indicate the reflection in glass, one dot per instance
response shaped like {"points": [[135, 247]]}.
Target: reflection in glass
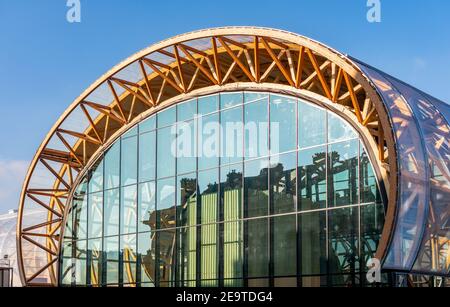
{"points": [[208, 141], [148, 125], [96, 178], [311, 125], [80, 212], [187, 200], [165, 203], [232, 136], [343, 179], [256, 129], [283, 124], [187, 256], [95, 262], [369, 185], [228, 100], [95, 215], [208, 104], [284, 245], [146, 258], [80, 262], [112, 167], [186, 110], [209, 255], [112, 212], [312, 172], [111, 252], [208, 200], [147, 156], [166, 260], [233, 254], [128, 254], [147, 207], [186, 147], [283, 182], [256, 192], [128, 175], [372, 222], [258, 248], [128, 211], [339, 130], [167, 117], [166, 154], [231, 192]]}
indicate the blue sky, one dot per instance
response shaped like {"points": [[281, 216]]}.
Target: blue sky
{"points": [[46, 62]]}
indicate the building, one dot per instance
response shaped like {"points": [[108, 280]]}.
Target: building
{"points": [[329, 165]]}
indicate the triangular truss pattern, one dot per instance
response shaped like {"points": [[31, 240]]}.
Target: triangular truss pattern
{"points": [[224, 57]]}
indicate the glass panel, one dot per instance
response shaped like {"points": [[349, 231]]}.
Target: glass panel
{"points": [[167, 117], [148, 125], [166, 154], [146, 257], [208, 189], [311, 125], [256, 192], [312, 178], [284, 245], [186, 147], [166, 260], [231, 191], [112, 167], [112, 212], [312, 228], [209, 255], [129, 161], [147, 207], [339, 130], [369, 184], [67, 265], [96, 177], [343, 245], [95, 215], [187, 110], [257, 129], [165, 203], [343, 179], [80, 212], [112, 260], [128, 211], [250, 97], [228, 100], [232, 136], [187, 256], [95, 262], [283, 124], [132, 132], [283, 181], [258, 248], [147, 156], [233, 254], [208, 104], [80, 262], [128, 251], [372, 222], [208, 141], [187, 200]]}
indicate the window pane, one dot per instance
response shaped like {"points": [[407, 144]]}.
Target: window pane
{"points": [[313, 246], [257, 129], [96, 178], [167, 117], [256, 190], [148, 124], [233, 136], [338, 129], [129, 161], [147, 207], [131, 132], [128, 209], [209, 255], [95, 215], [233, 254], [253, 96], [187, 200], [147, 156], [311, 125], [228, 100], [112, 260], [208, 104], [343, 244], [312, 178], [112, 167], [208, 141], [165, 203], [258, 248], [187, 256], [283, 181], [129, 256], [369, 184], [231, 191], [112, 212], [186, 147], [283, 124], [80, 262], [187, 110], [343, 181], [208, 189], [285, 245], [146, 257], [166, 260], [166, 156], [95, 259], [372, 222], [80, 212]]}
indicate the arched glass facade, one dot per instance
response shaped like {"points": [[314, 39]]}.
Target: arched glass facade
{"points": [[277, 192]]}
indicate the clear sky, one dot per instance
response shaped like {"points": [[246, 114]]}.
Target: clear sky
{"points": [[46, 62]]}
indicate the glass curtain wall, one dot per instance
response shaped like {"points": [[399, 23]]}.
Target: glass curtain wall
{"points": [[234, 189]]}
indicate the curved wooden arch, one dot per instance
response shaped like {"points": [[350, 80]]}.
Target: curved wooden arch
{"points": [[170, 72]]}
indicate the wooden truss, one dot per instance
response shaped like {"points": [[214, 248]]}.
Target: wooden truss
{"points": [[171, 71]]}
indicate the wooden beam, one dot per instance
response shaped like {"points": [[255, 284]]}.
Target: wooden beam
{"points": [[216, 60], [147, 82], [300, 63], [325, 87], [197, 63], [236, 59], [354, 99], [257, 62], [277, 62]]}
